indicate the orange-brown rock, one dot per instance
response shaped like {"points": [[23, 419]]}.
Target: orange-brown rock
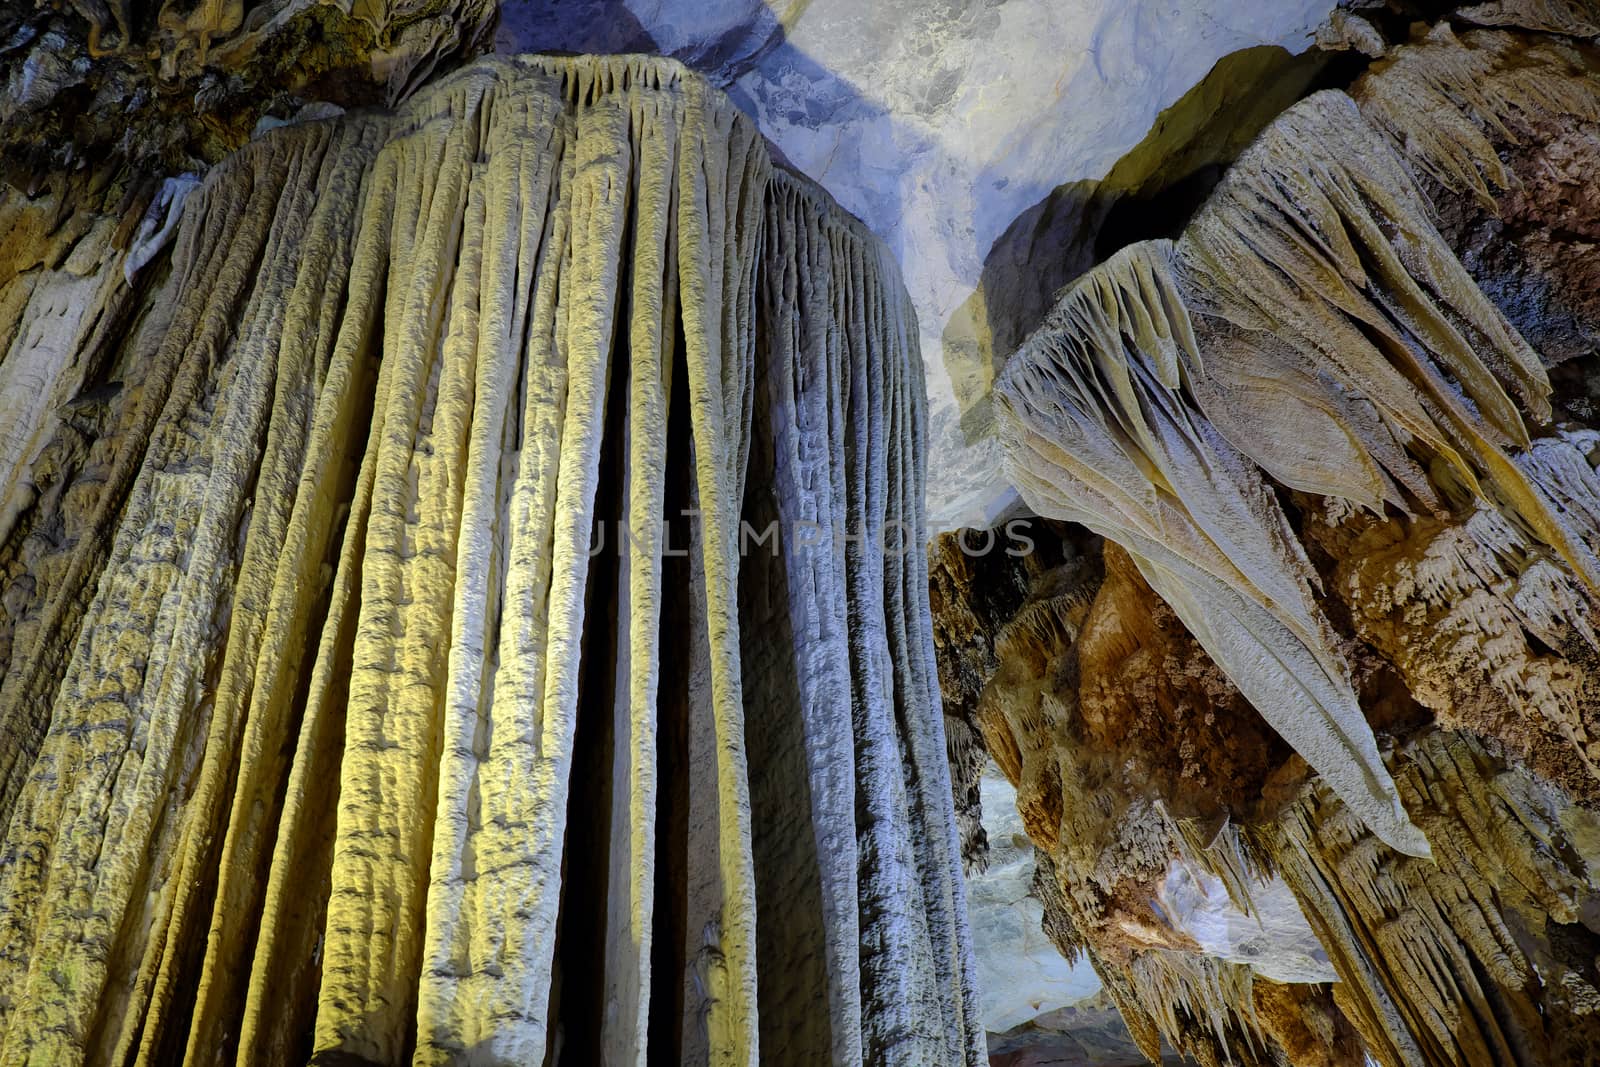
{"points": [[1306, 1024], [1149, 694]]}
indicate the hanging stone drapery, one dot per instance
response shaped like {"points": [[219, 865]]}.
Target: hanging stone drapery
{"points": [[428, 685], [1310, 324], [1305, 427]]}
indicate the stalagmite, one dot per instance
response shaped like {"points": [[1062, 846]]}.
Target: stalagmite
{"points": [[413, 690]]}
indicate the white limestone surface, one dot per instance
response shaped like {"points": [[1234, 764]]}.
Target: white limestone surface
{"points": [[1275, 940], [1021, 974]]}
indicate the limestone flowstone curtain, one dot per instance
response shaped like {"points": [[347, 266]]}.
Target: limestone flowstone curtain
{"points": [[1326, 448], [418, 693], [1312, 325]]}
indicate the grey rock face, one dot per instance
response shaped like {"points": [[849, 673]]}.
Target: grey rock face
{"points": [[720, 38]]}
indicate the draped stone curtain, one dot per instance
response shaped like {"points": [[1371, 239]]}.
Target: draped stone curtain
{"points": [[1312, 340], [431, 685], [1310, 324]]}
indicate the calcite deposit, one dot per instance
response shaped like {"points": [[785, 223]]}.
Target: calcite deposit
{"points": [[1342, 641], [382, 678], [943, 124], [897, 107], [473, 585]]}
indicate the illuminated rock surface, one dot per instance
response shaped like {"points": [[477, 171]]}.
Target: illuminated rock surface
{"points": [[939, 124], [897, 107], [326, 733], [321, 734]]}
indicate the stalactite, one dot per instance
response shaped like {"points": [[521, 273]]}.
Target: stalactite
{"points": [[1312, 321], [1098, 433], [1442, 100], [387, 584], [974, 588], [1579, 18], [1100, 795], [1462, 960], [1334, 457], [1483, 626], [1191, 991]]}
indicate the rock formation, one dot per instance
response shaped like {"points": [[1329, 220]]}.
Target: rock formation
{"points": [[181, 83], [463, 583], [939, 123], [1342, 638], [382, 677], [897, 108]]}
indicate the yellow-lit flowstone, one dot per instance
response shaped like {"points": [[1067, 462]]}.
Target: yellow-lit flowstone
{"points": [[410, 690]]}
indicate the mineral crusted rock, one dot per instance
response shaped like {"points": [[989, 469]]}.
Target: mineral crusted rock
{"points": [[388, 685], [1579, 18], [167, 82], [895, 107], [977, 582], [1314, 432], [1478, 957], [1129, 747], [1293, 331], [904, 112]]}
